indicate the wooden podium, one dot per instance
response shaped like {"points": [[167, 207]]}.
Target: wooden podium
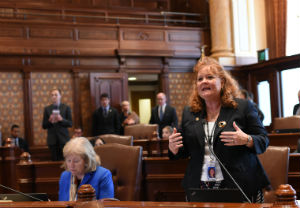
{"points": [[9, 157]]}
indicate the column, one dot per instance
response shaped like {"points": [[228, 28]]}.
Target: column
{"points": [[221, 31]]}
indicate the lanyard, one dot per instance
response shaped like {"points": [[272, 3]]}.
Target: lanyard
{"points": [[209, 135]]}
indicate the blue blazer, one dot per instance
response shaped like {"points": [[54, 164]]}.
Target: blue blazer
{"points": [[241, 161], [101, 180]]}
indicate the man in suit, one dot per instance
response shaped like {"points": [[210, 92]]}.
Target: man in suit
{"points": [[57, 119], [106, 118], [296, 110], [163, 114], [16, 140]]}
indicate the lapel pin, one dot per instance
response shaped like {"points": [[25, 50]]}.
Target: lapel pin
{"points": [[222, 124], [197, 119]]}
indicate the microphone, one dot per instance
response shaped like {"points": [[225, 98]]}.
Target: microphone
{"points": [[228, 173], [27, 195]]}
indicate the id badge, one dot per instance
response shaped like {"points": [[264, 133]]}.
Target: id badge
{"points": [[211, 171]]}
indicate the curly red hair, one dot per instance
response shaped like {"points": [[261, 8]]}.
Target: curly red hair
{"points": [[229, 91]]}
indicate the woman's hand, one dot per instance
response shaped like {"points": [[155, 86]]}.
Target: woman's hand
{"points": [[235, 138], [175, 141]]}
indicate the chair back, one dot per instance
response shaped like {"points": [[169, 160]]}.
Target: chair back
{"points": [[141, 131], [125, 164], [276, 164], [287, 124], [114, 138]]}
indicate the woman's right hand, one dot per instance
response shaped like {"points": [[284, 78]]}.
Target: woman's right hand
{"points": [[175, 141]]}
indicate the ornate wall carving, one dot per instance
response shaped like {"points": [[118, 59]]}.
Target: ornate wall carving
{"points": [[180, 90]]}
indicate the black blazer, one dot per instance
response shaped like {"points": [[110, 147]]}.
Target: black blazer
{"points": [[106, 125], [58, 132], [241, 161], [296, 108], [169, 118]]}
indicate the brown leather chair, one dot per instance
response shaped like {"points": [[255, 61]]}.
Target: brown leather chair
{"points": [[276, 164], [125, 164], [286, 124], [114, 138], [141, 131]]}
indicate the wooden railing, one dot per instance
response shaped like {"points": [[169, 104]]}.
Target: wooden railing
{"points": [[51, 12]]}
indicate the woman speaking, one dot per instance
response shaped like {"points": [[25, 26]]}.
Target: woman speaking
{"points": [[217, 123]]}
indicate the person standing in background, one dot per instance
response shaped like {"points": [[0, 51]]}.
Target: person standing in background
{"points": [[163, 114], [296, 110], [106, 118], [57, 119], [249, 96]]}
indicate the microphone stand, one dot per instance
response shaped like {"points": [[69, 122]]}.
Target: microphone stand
{"points": [[223, 166], [27, 195]]}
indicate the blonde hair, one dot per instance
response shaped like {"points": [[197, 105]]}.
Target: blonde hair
{"points": [[229, 91], [81, 146]]}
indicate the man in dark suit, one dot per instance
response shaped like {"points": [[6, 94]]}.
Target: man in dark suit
{"points": [[57, 120], [16, 140], [163, 114], [106, 118], [296, 110]]}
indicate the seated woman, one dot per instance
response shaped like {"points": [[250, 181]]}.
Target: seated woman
{"points": [[82, 166]]}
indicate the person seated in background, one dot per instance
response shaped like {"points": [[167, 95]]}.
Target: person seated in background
{"points": [[296, 110], [77, 132], [16, 140], [247, 95], [166, 132], [82, 166], [127, 117]]}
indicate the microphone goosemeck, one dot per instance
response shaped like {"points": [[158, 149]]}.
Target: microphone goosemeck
{"points": [[228, 173], [27, 195]]}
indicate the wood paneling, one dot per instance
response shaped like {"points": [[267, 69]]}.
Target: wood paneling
{"points": [[105, 34], [250, 75], [114, 84]]}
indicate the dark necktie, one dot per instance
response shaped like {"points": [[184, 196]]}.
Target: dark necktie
{"points": [[161, 114], [105, 112]]}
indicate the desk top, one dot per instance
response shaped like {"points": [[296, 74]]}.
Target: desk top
{"points": [[129, 204]]}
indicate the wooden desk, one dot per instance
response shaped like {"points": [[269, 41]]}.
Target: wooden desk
{"points": [[294, 172], [129, 204], [284, 139], [9, 157], [39, 177]]}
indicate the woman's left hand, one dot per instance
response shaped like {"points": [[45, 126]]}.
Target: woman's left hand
{"points": [[234, 138]]}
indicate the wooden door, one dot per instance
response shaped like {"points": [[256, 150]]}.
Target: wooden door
{"points": [[114, 84]]}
